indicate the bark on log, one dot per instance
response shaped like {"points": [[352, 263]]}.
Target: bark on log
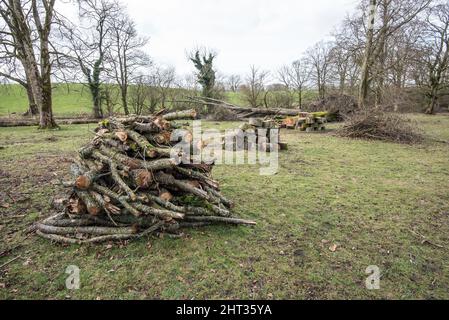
{"points": [[170, 181], [181, 115], [223, 199], [133, 164], [91, 205], [163, 214], [198, 176], [111, 194], [115, 237], [118, 179], [143, 143], [143, 128], [10, 123], [247, 112], [97, 231]]}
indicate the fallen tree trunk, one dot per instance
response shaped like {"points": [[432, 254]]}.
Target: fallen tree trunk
{"points": [[246, 112], [9, 123]]}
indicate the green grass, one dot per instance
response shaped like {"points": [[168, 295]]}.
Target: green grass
{"points": [[365, 197], [68, 100], [238, 98], [73, 100]]}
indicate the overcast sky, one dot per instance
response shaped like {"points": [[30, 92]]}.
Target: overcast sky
{"points": [[266, 33]]}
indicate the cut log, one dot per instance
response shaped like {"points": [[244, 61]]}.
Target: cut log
{"points": [[146, 127], [143, 143], [86, 180], [97, 231], [92, 206], [165, 195], [141, 178], [255, 122], [181, 115]]}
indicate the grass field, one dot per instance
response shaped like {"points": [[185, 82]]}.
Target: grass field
{"points": [[73, 100], [68, 100], [374, 203]]}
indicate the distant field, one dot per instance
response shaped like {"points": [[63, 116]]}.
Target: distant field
{"points": [[68, 100], [74, 100]]}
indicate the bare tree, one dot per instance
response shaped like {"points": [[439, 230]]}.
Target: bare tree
{"points": [[125, 55], [254, 87], [394, 15], [89, 43], [139, 95], [163, 80], [295, 77], [319, 59], [435, 53], [25, 22], [342, 65], [234, 81]]}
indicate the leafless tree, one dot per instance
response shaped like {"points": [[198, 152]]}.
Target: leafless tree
{"points": [[163, 80], [234, 82], [394, 15], [89, 43], [148, 92], [125, 55], [435, 53], [295, 77], [26, 33], [139, 95], [254, 87], [319, 59]]}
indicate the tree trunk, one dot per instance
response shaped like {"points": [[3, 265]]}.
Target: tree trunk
{"points": [[96, 99], [433, 102], [124, 92], [46, 120], [365, 81], [33, 109]]}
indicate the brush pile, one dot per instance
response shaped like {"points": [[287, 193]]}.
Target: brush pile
{"points": [[127, 184], [379, 125]]}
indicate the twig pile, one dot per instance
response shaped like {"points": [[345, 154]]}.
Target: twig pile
{"points": [[126, 186], [379, 125]]}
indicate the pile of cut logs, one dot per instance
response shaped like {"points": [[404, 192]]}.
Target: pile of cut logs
{"points": [[307, 122], [126, 185], [269, 126]]}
